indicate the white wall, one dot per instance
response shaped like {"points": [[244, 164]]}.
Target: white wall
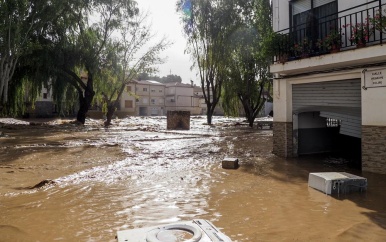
{"points": [[48, 93], [280, 14], [374, 103], [282, 99], [157, 91]]}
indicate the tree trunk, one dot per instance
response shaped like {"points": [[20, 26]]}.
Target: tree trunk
{"points": [[112, 105], [250, 121], [109, 114], [249, 112], [86, 100], [209, 113]]}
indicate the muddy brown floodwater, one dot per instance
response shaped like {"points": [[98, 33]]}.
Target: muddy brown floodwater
{"points": [[137, 174]]}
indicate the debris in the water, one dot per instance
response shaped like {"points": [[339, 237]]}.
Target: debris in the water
{"points": [[43, 183], [337, 182], [178, 120], [230, 163]]}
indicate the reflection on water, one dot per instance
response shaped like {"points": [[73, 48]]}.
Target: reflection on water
{"points": [[137, 174]]}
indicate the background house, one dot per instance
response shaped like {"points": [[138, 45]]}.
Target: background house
{"points": [[326, 98], [150, 98], [128, 100], [44, 106], [180, 96]]}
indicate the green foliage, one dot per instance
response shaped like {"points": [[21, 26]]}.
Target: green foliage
{"points": [[379, 20], [208, 25], [56, 39], [249, 60], [126, 58], [165, 79]]}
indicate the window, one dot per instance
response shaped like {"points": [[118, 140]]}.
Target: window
{"points": [[144, 89], [128, 88], [160, 90], [137, 100], [152, 101], [152, 90], [128, 103], [330, 122], [313, 19], [45, 95]]}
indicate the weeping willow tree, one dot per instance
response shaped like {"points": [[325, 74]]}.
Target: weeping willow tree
{"points": [[63, 37], [248, 61], [18, 20], [207, 25], [90, 40], [136, 51], [65, 96]]}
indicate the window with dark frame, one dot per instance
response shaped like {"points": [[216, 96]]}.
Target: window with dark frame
{"points": [[313, 19], [128, 104]]}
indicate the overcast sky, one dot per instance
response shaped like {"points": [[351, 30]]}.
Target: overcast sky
{"points": [[166, 22]]}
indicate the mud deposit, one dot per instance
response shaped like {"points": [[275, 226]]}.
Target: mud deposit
{"points": [[64, 182]]}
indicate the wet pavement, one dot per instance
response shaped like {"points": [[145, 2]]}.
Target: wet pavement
{"points": [[138, 174]]}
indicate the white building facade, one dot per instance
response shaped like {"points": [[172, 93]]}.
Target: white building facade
{"points": [[329, 82], [181, 97], [151, 98]]}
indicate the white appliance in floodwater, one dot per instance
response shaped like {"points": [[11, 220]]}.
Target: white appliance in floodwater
{"points": [[337, 182], [199, 230]]}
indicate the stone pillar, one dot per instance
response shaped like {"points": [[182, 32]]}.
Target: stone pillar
{"points": [[374, 149], [282, 139], [178, 120]]}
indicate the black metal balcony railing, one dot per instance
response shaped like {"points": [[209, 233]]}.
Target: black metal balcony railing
{"points": [[359, 26]]}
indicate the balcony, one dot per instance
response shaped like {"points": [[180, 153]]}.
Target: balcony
{"points": [[357, 27]]}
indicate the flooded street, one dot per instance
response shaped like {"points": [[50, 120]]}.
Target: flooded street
{"points": [[138, 174]]}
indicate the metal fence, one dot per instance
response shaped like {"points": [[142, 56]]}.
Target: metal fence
{"points": [[356, 27]]}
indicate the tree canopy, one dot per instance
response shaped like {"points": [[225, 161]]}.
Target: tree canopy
{"points": [[135, 54], [249, 60], [165, 79], [208, 25], [62, 41], [227, 42]]}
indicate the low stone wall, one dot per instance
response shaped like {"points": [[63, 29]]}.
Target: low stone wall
{"points": [[43, 110], [178, 120], [282, 139], [374, 149]]}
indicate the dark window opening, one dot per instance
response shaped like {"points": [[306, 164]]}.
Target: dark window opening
{"points": [[312, 21]]}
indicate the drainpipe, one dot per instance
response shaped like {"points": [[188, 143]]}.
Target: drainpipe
{"points": [[380, 13]]}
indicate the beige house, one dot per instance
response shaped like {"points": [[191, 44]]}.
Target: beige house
{"points": [[127, 102], [181, 97], [330, 80], [197, 91], [150, 98], [143, 98]]}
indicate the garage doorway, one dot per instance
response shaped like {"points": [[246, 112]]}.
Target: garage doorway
{"points": [[327, 119]]}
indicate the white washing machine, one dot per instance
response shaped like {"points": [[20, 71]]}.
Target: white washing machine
{"points": [[198, 230]]}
